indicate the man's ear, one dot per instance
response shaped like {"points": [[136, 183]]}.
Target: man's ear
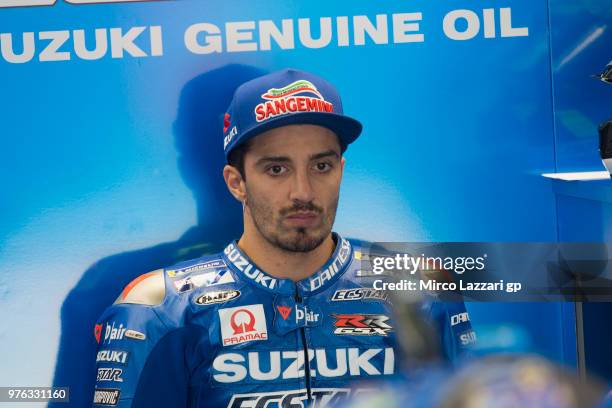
{"points": [[235, 182]]}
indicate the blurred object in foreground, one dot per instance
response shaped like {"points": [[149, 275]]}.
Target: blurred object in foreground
{"points": [[501, 338], [496, 381], [508, 381]]}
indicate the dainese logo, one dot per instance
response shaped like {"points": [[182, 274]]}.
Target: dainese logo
{"points": [[285, 311], [98, 332]]}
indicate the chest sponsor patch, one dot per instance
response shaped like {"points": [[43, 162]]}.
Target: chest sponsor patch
{"points": [[199, 267], [242, 324], [361, 324], [217, 296], [359, 294], [248, 367], [203, 280]]}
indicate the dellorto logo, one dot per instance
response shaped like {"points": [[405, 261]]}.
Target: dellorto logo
{"points": [[281, 101]]}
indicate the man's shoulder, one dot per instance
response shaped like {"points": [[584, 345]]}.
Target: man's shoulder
{"points": [[152, 288], [148, 289]]}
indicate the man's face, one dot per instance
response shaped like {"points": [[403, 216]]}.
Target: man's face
{"points": [[293, 176]]}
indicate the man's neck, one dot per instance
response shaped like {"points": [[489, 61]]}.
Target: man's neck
{"points": [[284, 264]]}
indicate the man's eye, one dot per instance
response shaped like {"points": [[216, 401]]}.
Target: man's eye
{"points": [[323, 167], [276, 170]]}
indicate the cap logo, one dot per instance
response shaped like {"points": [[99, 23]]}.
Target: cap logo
{"points": [[285, 100], [226, 122], [293, 88]]}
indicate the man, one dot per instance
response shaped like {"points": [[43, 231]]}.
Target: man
{"points": [[280, 317]]}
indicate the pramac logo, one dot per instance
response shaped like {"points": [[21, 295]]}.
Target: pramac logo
{"points": [[242, 324], [34, 3], [282, 101]]}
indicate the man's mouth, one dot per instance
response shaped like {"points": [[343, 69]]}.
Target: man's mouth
{"points": [[303, 218]]}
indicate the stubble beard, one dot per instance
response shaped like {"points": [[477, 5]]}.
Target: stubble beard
{"points": [[293, 239]]}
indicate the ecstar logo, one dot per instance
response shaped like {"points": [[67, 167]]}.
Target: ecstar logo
{"points": [[359, 294], [110, 374], [243, 323], [283, 101]]}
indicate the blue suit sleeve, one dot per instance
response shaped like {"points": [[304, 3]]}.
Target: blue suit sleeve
{"points": [[454, 327], [138, 358]]}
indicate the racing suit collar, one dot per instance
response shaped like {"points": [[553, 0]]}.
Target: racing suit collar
{"points": [[335, 266]]}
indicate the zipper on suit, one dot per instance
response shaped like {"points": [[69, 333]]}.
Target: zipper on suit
{"points": [[298, 299]]}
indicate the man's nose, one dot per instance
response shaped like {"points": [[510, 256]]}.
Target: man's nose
{"points": [[301, 190]]}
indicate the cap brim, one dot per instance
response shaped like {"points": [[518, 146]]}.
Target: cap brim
{"points": [[347, 128]]}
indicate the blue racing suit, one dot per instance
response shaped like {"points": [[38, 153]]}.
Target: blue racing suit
{"points": [[218, 331]]}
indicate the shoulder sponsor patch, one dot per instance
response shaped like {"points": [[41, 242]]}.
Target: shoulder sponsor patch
{"points": [[199, 267], [136, 335], [217, 296], [114, 332], [202, 280], [108, 397], [242, 324]]}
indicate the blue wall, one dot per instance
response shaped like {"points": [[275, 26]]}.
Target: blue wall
{"points": [[111, 166]]}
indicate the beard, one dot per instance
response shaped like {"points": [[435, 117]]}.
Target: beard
{"points": [[291, 239]]}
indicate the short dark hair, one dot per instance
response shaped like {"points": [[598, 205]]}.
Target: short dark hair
{"points": [[235, 158]]}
